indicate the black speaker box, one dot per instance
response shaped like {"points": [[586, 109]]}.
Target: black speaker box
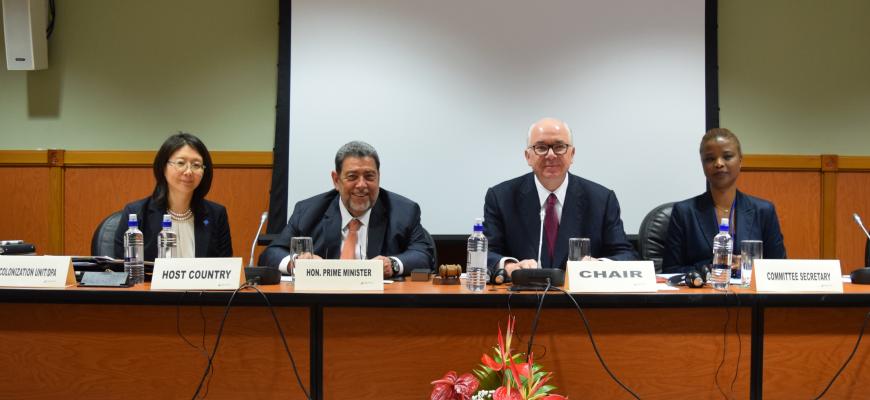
{"points": [[533, 279]]}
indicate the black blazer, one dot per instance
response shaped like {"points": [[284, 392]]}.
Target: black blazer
{"points": [[693, 225], [394, 231], [211, 229], [512, 222]]}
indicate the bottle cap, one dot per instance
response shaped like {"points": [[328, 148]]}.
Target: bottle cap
{"points": [[478, 224], [132, 220], [723, 224], [167, 221]]}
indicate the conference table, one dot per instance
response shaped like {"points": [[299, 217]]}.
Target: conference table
{"points": [[106, 343]]}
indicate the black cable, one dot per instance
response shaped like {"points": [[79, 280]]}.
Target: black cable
{"points": [[284, 341], [595, 346], [202, 349], [178, 325], [50, 28], [724, 345], [537, 317], [739, 342], [854, 350], [221, 330], [217, 340]]}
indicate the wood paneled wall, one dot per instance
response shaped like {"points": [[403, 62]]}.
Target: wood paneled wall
{"points": [[815, 197], [60, 197], [56, 198]]}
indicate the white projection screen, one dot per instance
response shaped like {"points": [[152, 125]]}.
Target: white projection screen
{"points": [[446, 91]]}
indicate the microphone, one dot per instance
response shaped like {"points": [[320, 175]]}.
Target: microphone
{"points": [[541, 238], [861, 276], [261, 275], [257, 237], [860, 224]]}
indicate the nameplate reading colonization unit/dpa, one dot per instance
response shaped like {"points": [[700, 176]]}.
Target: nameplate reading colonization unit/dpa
{"points": [[611, 276], [36, 271], [339, 275], [197, 274], [789, 276]]}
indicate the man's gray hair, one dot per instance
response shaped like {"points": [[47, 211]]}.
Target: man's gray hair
{"points": [[356, 148]]}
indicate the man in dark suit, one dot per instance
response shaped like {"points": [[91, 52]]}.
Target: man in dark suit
{"points": [[357, 220], [550, 199]]}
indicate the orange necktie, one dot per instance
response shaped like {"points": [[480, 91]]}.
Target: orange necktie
{"points": [[348, 249]]}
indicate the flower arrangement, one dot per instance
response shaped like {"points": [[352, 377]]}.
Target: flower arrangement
{"points": [[503, 376]]}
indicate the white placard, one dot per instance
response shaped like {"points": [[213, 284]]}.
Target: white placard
{"points": [[788, 276], [611, 276], [197, 274], [339, 275], [36, 271]]}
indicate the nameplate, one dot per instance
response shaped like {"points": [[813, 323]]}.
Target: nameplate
{"points": [[339, 275], [611, 276], [787, 276], [36, 271], [197, 274]]}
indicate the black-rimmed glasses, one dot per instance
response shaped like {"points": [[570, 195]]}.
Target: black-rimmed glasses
{"points": [[543, 149]]}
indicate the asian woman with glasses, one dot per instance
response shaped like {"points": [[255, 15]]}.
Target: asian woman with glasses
{"points": [[183, 173]]}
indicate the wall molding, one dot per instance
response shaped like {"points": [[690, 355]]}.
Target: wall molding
{"points": [[104, 158]]}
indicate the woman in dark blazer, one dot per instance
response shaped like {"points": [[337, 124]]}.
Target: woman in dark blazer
{"points": [[183, 171], [694, 222]]}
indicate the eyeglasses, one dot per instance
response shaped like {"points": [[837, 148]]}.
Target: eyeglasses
{"points": [[543, 149], [182, 166]]}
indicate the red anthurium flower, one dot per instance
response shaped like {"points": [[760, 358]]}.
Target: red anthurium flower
{"points": [[491, 363], [503, 393], [453, 387]]}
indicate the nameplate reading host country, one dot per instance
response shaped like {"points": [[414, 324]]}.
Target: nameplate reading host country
{"points": [[197, 274], [611, 276], [339, 275], [36, 271], [787, 276]]}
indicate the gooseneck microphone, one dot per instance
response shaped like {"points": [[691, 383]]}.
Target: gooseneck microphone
{"points": [[261, 275], [541, 237], [257, 237], [861, 276], [861, 224]]}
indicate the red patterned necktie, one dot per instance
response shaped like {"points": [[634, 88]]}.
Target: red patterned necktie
{"points": [[551, 224]]}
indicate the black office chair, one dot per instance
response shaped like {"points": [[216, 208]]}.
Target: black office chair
{"points": [[653, 233], [867, 254], [103, 241], [431, 241]]}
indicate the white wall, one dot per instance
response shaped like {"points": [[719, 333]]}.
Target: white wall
{"points": [[446, 91]]}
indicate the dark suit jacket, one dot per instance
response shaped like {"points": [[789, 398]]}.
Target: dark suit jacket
{"points": [[394, 231], [693, 225], [512, 222], [211, 229]]}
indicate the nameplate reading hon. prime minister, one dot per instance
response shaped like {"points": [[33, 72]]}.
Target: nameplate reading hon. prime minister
{"points": [[36, 271], [788, 276], [197, 274], [339, 275], [611, 276]]}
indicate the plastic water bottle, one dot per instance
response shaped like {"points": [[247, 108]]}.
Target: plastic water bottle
{"points": [[134, 252], [722, 246], [167, 240], [475, 268]]}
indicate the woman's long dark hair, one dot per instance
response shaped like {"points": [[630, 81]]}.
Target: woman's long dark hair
{"points": [[170, 146]]}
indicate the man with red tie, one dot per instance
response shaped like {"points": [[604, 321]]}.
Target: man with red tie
{"points": [[357, 220], [552, 204]]}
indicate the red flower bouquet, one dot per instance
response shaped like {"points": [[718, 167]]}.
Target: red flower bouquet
{"points": [[502, 376]]}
